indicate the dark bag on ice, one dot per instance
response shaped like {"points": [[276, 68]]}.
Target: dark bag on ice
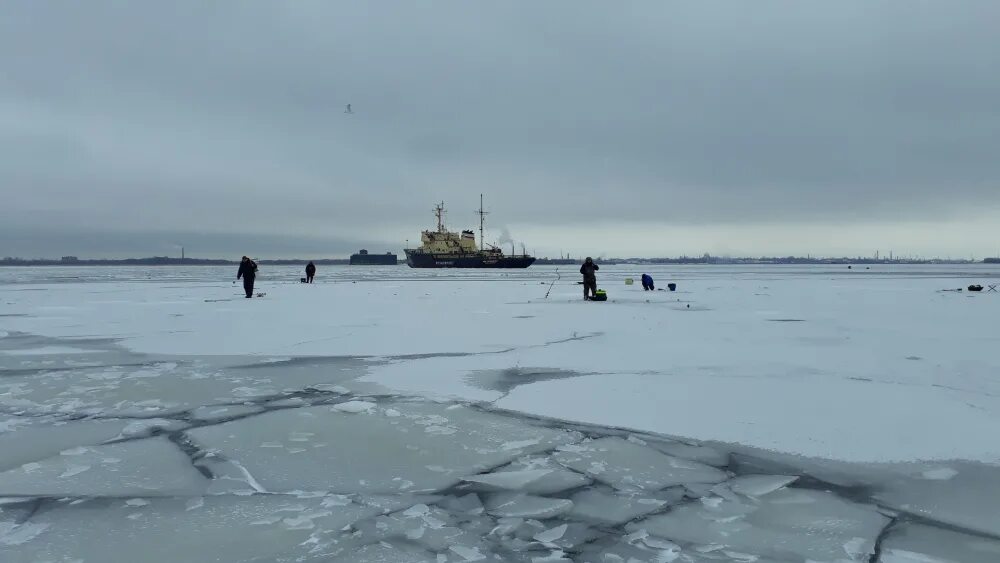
{"points": [[600, 295]]}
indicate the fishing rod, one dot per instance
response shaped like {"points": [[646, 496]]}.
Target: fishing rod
{"points": [[558, 275]]}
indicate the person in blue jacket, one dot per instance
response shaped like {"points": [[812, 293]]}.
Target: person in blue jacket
{"points": [[647, 282]]}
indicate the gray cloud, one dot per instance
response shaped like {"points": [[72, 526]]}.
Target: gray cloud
{"points": [[189, 118]]}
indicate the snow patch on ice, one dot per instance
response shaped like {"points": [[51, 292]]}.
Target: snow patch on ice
{"points": [[354, 407], [939, 474]]}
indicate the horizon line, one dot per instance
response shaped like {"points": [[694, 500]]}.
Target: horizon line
{"points": [[705, 258]]}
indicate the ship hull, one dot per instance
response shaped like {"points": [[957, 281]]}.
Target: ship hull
{"points": [[428, 260], [373, 260]]}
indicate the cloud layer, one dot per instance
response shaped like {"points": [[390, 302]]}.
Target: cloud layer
{"points": [[222, 125]]}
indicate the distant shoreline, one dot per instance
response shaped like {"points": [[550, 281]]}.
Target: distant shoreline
{"points": [[158, 261], [705, 260]]}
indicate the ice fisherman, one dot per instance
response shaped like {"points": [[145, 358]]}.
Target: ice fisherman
{"points": [[310, 272], [647, 282], [589, 271], [247, 271]]}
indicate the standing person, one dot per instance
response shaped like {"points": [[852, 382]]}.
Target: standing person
{"points": [[310, 272], [248, 271], [589, 271], [647, 282]]}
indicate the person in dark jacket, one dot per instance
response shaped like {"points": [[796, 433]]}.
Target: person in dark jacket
{"points": [[248, 271], [647, 282], [589, 271], [310, 272]]}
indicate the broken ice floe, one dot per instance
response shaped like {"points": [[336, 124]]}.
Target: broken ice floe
{"points": [[532, 474], [520, 505], [787, 524], [967, 499], [39, 439], [918, 543], [260, 468], [701, 454], [609, 508], [250, 528], [647, 468], [140, 467], [373, 453]]}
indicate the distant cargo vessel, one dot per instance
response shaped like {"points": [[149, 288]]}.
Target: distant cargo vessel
{"points": [[362, 258], [446, 249]]}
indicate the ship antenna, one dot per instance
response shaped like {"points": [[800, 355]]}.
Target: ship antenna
{"points": [[482, 218]]}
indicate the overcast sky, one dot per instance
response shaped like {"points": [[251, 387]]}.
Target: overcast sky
{"points": [[616, 128]]}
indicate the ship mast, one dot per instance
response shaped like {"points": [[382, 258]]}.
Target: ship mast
{"points": [[482, 218], [439, 213]]}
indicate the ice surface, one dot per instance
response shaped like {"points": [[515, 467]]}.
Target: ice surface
{"points": [[13, 534], [354, 407], [677, 405], [555, 478], [134, 468], [257, 528], [643, 548], [888, 334], [519, 505], [42, 439], [792, 524], [346, 394], [469, 504], [389, 553], [158, 388], [916, 543], [223, 412], [511, 480], [968, 499], [756, 485], [575, 535], [430, 527], [701, 454], [427, 448], [613, 509], [552, 534], [625, 465]]}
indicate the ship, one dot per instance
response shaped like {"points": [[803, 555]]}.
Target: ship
{"points": [[362, 258], [446, 249]]}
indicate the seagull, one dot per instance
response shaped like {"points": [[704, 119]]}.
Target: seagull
{"points": [[348, 110]]}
